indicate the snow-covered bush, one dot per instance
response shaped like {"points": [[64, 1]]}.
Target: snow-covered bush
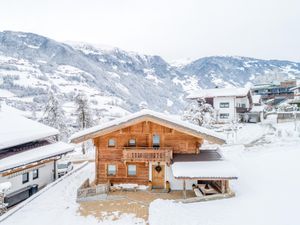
{"points": [[199, 112]]}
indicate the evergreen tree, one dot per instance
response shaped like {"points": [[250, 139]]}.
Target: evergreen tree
{"points": [[199, 112], [54, 116]]}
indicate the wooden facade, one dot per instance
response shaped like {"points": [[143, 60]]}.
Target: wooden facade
{"points": [[134, 146]]}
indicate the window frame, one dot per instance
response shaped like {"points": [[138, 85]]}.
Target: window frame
{"points": [[27, 180], [107, 170], [222, 117], [132, 145], [156, 145], [111, 146], [224, 105], [131, 175], [37, 174]]}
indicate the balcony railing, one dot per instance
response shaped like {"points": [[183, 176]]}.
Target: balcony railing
{"points": [[147, 154], [242, 109]]}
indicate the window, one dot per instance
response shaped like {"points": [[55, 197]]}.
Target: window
{"points": [[35, 174], [111, 170], [25, 178], [243, 105], [156, 140], [131, 170], [132, 142], [224, 104], [224, 115], [111, 143]]}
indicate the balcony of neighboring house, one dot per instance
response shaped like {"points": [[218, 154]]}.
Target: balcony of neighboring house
{"points": [[148, 154], [241, 108]]}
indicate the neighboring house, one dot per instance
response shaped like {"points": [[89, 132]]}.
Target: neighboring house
{"points": [[275, 91], [28, 155], [296, 100], [230, 103], [256, 113], [150, 146]]}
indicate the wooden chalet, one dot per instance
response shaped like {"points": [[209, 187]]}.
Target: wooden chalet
{"points": [[143, 147]]}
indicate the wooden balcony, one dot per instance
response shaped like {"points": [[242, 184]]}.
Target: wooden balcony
{"points": [[242, 109], [147, 154]]}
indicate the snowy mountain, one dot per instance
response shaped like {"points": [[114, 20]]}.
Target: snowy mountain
{"points": [[115, 80], [238, 71]]}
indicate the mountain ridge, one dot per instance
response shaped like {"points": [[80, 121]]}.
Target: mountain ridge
{"points": [[118, 80]]}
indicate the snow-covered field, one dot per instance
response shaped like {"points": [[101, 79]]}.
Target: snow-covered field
{"points": [[267, 191], [57, 206]]}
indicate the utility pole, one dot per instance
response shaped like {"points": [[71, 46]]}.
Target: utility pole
{"points": [[295, 116]]}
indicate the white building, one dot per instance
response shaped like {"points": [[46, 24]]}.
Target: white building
{"points": [[296, 91], [296, 100], [229, 103], [27, 155]]}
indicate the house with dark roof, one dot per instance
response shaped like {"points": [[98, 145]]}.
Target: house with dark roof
{"points": [[28, 155]]}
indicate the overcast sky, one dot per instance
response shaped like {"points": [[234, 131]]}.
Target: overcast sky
{"points": [[174, 29]]}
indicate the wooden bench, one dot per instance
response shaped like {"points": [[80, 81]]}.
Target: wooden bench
{"points": [[198, 193]]}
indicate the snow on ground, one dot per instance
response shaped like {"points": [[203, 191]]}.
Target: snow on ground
{"points": [[267, 190], [57, 206], [251, 132], [5, 93]]}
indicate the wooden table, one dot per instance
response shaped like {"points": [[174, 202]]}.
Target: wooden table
{"points": [[209, 191]]}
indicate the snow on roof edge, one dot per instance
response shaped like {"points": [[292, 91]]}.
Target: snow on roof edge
{"points": [[16, 130], [219, 92], [147, 112], [34, 155], [204, 169]]}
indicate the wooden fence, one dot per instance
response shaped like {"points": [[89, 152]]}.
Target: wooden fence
{"points": [[85, 190], [284, 116]]}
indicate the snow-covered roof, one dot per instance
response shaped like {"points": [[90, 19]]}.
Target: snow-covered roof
{"points": [[219, 92], [149, 115], [35, 155], [16, 130], [295, 88], [221, 169]]}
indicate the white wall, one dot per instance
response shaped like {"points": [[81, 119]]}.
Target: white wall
{"points": [[244, 100], [178, 184], [45, 177], [230, 110], [297, 93]]}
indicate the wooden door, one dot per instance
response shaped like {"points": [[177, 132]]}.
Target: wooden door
{"points": [[158, 177]]}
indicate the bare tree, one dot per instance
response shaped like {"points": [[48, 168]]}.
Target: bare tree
{"points": [[84, 115], [54, 116]]}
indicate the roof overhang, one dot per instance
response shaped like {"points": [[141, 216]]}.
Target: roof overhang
{"points": [[204, 170], [184, 127], [35, 155], [16, 130]]}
